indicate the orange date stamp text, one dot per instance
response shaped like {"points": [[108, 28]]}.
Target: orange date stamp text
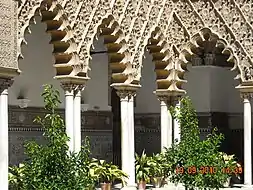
{"points": [[207, 170]]}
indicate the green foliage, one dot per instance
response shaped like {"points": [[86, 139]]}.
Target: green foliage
{"points": [[158, 166], [51, 166], [195, 163], [105, 172], [15, 177], [143, 165]]}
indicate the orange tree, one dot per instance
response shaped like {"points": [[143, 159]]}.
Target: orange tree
{"points": [[50, 166], [195, 163]]}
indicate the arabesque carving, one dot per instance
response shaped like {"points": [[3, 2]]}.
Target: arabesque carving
{"points": [[170, 29], [191, 24]]}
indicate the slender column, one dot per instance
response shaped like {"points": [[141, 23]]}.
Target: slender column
{"points": [[69, 113], [176, 123], [4, 141], [77, 120], [247, 138], [127, 134], [124, 131], [131, 141], [166, 123]]}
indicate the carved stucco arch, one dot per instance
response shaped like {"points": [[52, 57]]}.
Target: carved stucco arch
{"points": [[180, 21], [115, 41], [58, 26], [197, 41], [129, 18]]}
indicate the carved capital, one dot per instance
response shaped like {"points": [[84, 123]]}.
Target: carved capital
{"points": [[246, 95], [79, 88], [5, 84], [126, 93], [175, 99], [69, 87], [164, 98]]}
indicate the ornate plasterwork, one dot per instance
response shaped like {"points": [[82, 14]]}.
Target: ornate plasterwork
{"points": [[170, 29], [8, 34], [190, 23]]}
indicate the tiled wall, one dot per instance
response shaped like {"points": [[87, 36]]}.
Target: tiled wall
{"points": [[98, 126]]}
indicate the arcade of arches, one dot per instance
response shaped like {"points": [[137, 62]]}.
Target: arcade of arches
{"points": [[143, 46]]}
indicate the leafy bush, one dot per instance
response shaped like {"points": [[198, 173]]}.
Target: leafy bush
{"points": [[159, 166], [105, 172], [51, 166], [143, 165], [196, 163]]}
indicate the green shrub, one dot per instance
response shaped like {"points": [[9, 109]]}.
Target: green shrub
{"points": [[104, 172], [196, 163], [51, 166]]}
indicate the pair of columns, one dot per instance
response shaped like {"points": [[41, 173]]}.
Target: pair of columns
{"points": [[73, 115], [168, 123], [73, 124]]}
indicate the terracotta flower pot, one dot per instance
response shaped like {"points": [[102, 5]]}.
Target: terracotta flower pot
{"points": [[106, 186], [142, 185]]}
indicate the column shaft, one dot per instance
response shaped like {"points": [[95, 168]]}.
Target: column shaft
{"points": [[124, 134], [166, 126], [69, 117], [77, 122], [4, 141], [247, 142], [177, 124], [131, 141]]}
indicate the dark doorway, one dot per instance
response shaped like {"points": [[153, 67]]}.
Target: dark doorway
{"points": [[115, 103]]}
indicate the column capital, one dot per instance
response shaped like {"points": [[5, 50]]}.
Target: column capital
{"points": [[246, 95], [69, 87], [163, 98], [124, 93], [175, 99], [5, 83], [125, 90]]}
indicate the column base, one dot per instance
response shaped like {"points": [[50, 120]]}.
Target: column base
{"points": [[129, 188]]}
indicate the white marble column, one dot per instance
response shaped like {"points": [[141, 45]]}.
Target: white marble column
{"points": [[127, 135], [176, 123], [166, 124], [69, 114], [131, 141], [247, 139], [4, 140], [77, 121]]}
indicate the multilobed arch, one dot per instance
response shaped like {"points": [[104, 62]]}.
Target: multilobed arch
{"points": [[193, 27], [128, 27], [58, 26], [206, 42]]}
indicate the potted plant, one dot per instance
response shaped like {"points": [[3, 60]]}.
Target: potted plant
{"points": [[231, 167], [143, 164], [106, 173], [159, 170]]}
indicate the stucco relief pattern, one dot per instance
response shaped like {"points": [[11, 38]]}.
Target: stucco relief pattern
{"points": [[8, 34], [170, 29]]}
